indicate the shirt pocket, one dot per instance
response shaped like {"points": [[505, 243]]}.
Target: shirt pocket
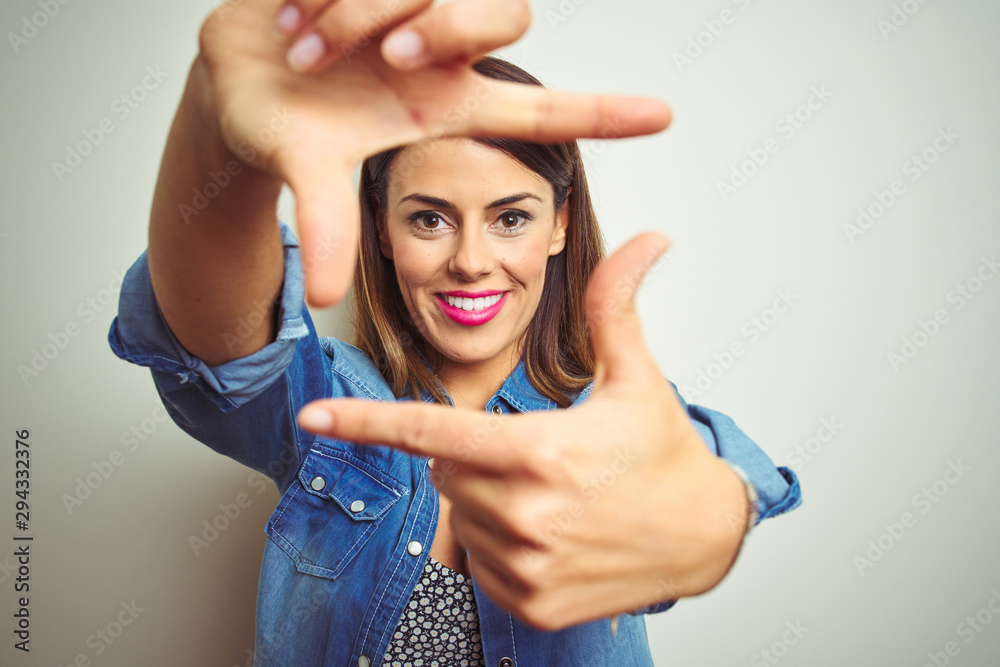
{"points": [[330, 511]]}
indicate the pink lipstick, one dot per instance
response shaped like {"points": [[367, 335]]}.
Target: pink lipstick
{"points": [[474, 317]]}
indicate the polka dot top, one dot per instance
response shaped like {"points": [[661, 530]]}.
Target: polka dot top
{"points": [[439, 626]]}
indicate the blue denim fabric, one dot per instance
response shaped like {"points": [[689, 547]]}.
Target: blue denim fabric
{"points": [[334, 582]]}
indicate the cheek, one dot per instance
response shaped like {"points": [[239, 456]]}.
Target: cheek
{"points": [[415, 265], [527, 266]]}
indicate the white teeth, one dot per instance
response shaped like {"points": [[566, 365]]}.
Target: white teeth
{"points": [[479, 303]]}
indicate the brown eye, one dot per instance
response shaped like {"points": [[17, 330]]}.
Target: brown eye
{"points": [[513, 221], [427, 221]]}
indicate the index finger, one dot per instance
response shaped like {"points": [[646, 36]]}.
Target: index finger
{"points": [[479, 439], [538, 114]]}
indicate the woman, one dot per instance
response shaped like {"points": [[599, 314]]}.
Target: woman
{"points": [[478, 287]]}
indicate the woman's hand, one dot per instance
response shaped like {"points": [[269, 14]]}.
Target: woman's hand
{"points": [[311, 123], [573, 515]]}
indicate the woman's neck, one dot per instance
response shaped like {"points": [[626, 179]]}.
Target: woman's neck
{"points": [[472, 385]]}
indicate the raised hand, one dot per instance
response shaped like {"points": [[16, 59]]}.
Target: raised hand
{"points": [[573, 515], [336, 75]]}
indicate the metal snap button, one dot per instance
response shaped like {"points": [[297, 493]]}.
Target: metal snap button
{"points": [[363, 661], [497, 410], [357, 506], [505, 662], [317, 483], [414, 548]]}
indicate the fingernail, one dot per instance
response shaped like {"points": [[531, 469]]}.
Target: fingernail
{"points": [[315, 419], [288, 19], [405, 47], [306, 52]]}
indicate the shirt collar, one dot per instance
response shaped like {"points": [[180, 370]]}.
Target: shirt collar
{"points": [[521, 394], [518, 391]]}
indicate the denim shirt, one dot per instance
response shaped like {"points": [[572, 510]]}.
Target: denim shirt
{"points": [[338, 567]]}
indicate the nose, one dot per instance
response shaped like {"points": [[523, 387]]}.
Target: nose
{"points": [[473, 255]]}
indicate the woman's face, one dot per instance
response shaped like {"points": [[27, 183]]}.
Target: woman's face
{"points": [[469, 231]]}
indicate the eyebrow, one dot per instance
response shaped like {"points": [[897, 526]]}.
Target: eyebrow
{"points": [[444, 203]]}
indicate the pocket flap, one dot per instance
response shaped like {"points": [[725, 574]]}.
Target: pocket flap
{"points": [[360, 490]]}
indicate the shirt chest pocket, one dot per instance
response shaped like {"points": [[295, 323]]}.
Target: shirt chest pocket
{"points": [[330, 511]]}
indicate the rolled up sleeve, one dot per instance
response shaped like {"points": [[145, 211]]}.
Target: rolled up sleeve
{"points": [[244, 408], [139, 334], [777, 486]]}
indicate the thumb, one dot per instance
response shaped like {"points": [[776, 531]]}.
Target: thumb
{"points": [[328, 216], [612, 320]]}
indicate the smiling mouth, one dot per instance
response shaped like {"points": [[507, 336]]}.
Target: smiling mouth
{"points": [[472, 305], [472, 310]]}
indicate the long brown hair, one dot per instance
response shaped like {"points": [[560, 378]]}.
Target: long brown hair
{"points": [[557, 354]]}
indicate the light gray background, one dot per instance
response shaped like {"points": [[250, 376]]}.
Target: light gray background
{"points": [[61, 243]]}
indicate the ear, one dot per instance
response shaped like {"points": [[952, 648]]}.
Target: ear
{"points": [[383, 240], [383, 235], [558, 241]]}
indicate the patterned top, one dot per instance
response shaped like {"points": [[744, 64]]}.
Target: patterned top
{"points": [[440, 624]]}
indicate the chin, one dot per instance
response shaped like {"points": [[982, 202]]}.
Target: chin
{"points": [[463, 354], [468, 351]]}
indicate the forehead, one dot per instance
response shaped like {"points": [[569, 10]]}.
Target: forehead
{"points": [[457, 168]]}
